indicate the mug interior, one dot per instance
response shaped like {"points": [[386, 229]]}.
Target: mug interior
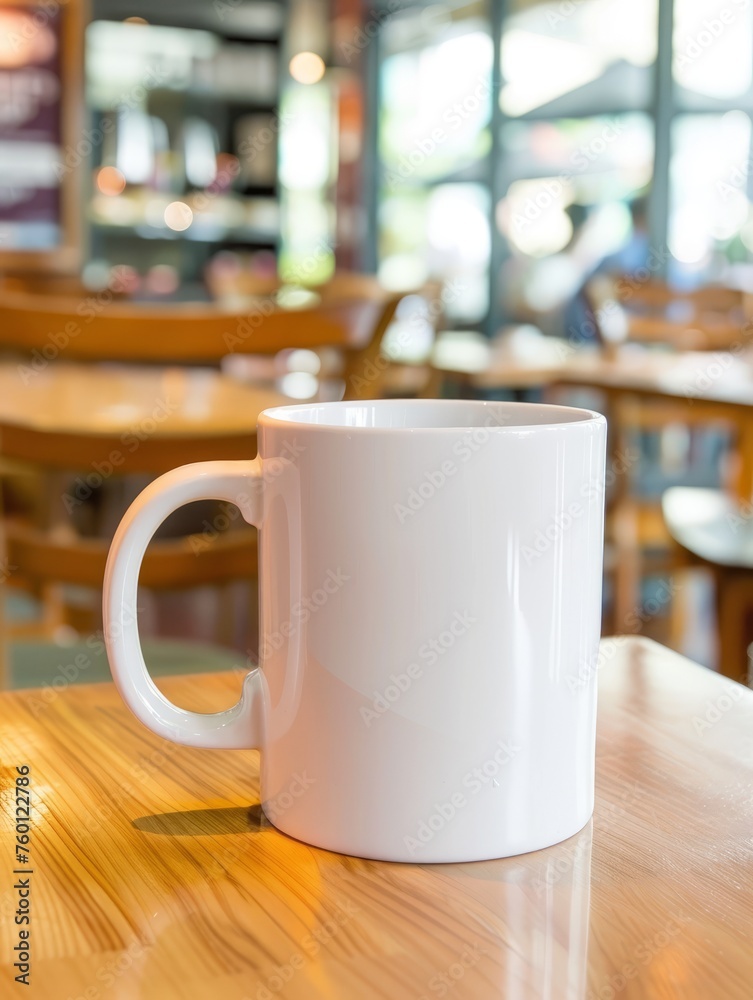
{"points": [[428, 414]]}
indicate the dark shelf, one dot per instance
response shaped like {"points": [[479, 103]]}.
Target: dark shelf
{"points": [[200, 15], [219, 236]]}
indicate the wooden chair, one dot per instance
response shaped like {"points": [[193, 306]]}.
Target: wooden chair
{"points": [[368, 372], [351, 316], [44, 285], [704, 319], [636, 531], [713, 530], [243, 285], [63, 424], [658, 295], [97, 329], [371, 371]]}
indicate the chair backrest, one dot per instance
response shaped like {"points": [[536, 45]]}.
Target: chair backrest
{"points": [[67, 285], [95, 328], [243, 284], [658, 295], [623, 310]]}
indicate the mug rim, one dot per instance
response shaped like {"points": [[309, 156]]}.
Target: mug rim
{"points": [[283, 416]]}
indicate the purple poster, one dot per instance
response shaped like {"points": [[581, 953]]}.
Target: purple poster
{"points": [[30, 128]]}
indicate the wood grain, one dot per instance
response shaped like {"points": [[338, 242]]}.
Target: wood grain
{"points": [[156, 876]]}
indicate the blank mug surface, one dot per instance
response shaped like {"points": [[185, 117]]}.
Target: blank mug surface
{"points": [[430, 605], [430, 616]]}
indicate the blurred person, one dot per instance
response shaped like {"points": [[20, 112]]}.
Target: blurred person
{"points": [[627, 260]]}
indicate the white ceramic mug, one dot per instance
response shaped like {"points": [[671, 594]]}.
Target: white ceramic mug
{"points": [[430, 602]]}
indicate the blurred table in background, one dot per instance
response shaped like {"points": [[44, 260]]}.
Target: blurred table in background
{"points": [[83, 440], [714, 385], [643, 390], [70, 415], [333, 333]]}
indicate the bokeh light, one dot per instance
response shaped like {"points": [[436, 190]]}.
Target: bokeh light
{"points": [[299, 385], [110, 181], [178, 216], [307, 67], [162, 279]]}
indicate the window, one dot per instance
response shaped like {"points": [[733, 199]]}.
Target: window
{"points": [[571, 161]]}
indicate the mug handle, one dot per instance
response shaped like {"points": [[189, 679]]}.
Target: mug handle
{"points": [[239, 727]]}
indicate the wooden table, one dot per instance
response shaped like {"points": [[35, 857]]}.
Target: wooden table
{"points": [[74, 426], [711, 385], [712, 376], [151, 418], [155, 875]]}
